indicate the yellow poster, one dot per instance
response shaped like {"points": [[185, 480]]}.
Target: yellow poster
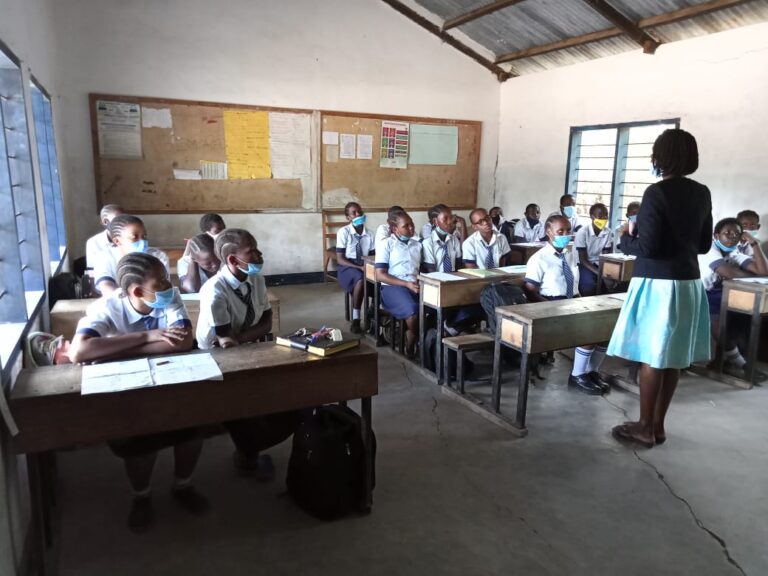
{"points": [[246, 136]]}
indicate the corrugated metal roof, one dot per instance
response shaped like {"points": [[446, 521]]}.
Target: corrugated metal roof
{"points": [[532, 23]]}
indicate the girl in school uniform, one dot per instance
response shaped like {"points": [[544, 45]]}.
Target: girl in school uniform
{"points": [[198, 264], [590, 242], [384, 230], [353, 243], [725, 261], [664, 322], [144, 316], [485, 248], [102, 241], [549, 275], [129, 236], [529, 228], [235, 310], [398, 260]]}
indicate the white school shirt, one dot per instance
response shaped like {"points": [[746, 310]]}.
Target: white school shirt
{"points": [[95, 246], [399, 259], [115, 315], [594, 245], [433, 249], [182, 268], [715, 258], [475, 249], [745, 249], [346, 242], [219, 305], [382, 233], [523, 230], [105, 267], [576, 222], [545, 270]]}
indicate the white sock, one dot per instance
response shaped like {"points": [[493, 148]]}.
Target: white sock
{"points": [[734, 357], [598, 355], [581, 361], [356, 314]]}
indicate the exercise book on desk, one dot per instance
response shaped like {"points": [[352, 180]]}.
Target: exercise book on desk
{"points": [[443, 276], [323, 347], [480, 273], [758, 280], [516, 269]]}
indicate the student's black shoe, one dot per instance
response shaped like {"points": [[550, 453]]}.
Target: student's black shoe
{"points": [[261, 467], [598, 381], [142, 516], [584, 384], [355, 327], [191, 500]]}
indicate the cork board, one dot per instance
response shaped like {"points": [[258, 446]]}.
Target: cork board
{"points": [[148, 184], [415, 187]]}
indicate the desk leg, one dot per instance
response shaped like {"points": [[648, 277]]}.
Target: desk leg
{"points": [[364, 321], [439, 345], [38, 513], [522, 391], [422, 331], [496, 378], [366, 416], [754, 339], [722, 332]]}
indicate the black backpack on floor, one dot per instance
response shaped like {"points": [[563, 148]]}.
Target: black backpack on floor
{"points": [[501, 294], [326, 469]]}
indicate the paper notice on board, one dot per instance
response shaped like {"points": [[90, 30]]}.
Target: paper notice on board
{"points": [[331, 153], [330, 138], [364, 146], [290, 145], [156, 117], [213, 170], [347, 147], [119, 129], [246, 139], [394, 144], [434, 144]]}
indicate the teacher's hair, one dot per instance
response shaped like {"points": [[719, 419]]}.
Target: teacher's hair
{"points": [[675, 153]]}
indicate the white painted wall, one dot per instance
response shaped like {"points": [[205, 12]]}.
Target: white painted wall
{"points": [[353, 55], [716, 84]]}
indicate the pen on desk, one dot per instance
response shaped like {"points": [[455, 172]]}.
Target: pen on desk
{"points": [[298, 345], [163, 362]]}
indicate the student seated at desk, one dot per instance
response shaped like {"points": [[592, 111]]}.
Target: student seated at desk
{"points": [[198, 264], [426, 230], [102, 241], [568, 209], [145, 316], [212, 224], [725, 261], [129, 235], [591, 241], [749, 220], [353, 243], [234, 310], [633, 209], [398, 260], [549, 276], [384, 230], [529, 228], [485, 248]]}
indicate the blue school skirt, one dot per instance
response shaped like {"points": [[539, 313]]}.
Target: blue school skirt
{"points": [[399, 301], [348, 277], [714, 299], [663, 323]]}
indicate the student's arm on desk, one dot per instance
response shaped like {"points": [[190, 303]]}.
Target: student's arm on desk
{"points": [[226, 339], [532, 293], [191, 282], [87, 348], [383, 276]]}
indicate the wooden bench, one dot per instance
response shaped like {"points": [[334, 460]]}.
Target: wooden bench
{"points": [[460, 345], [333, 220]]}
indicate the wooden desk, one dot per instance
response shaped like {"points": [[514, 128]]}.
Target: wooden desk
{"points": [[548, 326], [371, 292], [616, 267], [258, 379], [522, 252], [442, 295], [67, 313]]}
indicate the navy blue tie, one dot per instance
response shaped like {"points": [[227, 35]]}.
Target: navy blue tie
{"points": [[150, 323], [250, 313], [489, 258], [358, 249], [568, 273], [447, 264]]}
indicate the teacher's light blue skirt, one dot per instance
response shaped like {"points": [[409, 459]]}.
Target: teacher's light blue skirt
{"points": [[663, 323]]}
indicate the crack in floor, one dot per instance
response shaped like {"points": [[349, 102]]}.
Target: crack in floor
{"points": [[408, 376], [436, 415]]}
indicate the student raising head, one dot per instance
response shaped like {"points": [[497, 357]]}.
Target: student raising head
{"points": [[750, 223], [128, 235], [591, 241], [432, 213], [145, 316], [485, 248], [102, 241], [353, 243], [198, 264], [384, 230], [212, 224], [530, 227]]}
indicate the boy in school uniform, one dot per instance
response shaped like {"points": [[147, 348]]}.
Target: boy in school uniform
{"points": [[591, 241], [529, 228], [568, 209], [384, 230], [550, 276], [485, 248], [749, 220], [198, 264], [633, 209], [102, 241], [234, 310], [353, 242], [212, 224]]}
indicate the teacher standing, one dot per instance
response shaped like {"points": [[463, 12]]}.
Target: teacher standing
{"points": [[664, 323]]}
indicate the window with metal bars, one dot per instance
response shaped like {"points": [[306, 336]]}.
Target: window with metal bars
{"points": [[611, 164]]}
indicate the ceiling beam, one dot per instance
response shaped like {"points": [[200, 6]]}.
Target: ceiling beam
{"points": [[626, 25], [498, 71], [478, 13], [651, 22]]}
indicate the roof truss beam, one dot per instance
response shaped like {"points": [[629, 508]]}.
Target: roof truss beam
{"points": [[479, 13], [626, 25]]}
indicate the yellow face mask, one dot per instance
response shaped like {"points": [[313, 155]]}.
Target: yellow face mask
{"points": [[600, 223]]}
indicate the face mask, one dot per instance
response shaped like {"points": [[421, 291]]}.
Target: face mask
{"points": [[162, 299], [532, 221], [654, 171], [252, 268], [404, 238], [753, 233], [359, 221], [138, 246], [569, 211], [632, 218], [560, 242], [600, 223], [723, 247]]}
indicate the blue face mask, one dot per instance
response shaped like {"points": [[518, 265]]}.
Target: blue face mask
{"points": [[162, 298], [632, 218], [560, 242], [359, 221], [753, 233], [252, 269], [569, 211], [404, 238], [138, 246], [723, 247]]}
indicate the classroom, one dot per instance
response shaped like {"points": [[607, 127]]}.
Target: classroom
{"points": [[461, 188]]}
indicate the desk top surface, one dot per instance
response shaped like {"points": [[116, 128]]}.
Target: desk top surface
{"points": [[757, 285], [542, 310]]}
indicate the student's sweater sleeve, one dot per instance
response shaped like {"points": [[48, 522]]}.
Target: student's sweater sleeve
{"points": [[176, 315], [650, 223]]}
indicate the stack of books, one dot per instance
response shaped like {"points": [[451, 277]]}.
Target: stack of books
{"points": [[320, 346]]}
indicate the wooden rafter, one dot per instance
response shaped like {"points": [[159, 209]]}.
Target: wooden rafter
{"points": [[651, 22], [626, 25], [498, 71], [478, 13]]}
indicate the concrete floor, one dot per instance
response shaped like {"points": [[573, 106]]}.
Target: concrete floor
{"points": [[456, 494]]}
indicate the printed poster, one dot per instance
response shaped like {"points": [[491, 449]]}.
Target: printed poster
{"points": [[436, 144], [119, 127], [394, 144], [246, 138]]}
